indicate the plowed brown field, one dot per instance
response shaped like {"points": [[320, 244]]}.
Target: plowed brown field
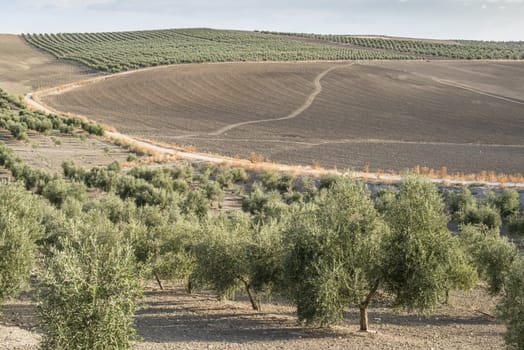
{"points": [[24, 68], [468, 116]]}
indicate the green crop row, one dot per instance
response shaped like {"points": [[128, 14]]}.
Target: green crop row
{"points": [[459, 49], [120, 51]]}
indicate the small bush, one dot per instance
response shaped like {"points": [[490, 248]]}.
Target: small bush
{"points": [[269, 179], [57, 190]]}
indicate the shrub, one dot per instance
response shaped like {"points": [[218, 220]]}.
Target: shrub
{"points": [[72, 171], [214, 191], [482, 215], [93, 128], [262, 205], [269, 179], [508, 204], [197, 203], [328, 181], [285, 183], [18, 130], [239, 175], [57, 190], [459, 201], [511, 307], [89, 290], [516, 227], [491, 254]]}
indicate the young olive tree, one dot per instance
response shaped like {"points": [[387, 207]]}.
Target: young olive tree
{"points": [[89, 289], [423, 261], [335, 254], [511, 307], [19, 228], [234, 254], [491, 254]]}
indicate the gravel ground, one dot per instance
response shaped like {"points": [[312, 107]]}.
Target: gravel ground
{"points": [[172, 319]]}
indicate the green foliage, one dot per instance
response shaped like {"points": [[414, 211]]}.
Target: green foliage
{"points": [[19, 228], [460, 49], [457, 202], [72, 171], [421, 254], [507, 203], [214, 191], [93, 128], [334, 253], [263, 205], [221, 254], [511, 307], [18, 123], [269, 179], [18, 130], [141, 191], [384, 198], [89, 290], [131, 50], [239, 175], [328, 181], [58, 190], [197, 203], [491, 254], [516, 227], [233, 254]]}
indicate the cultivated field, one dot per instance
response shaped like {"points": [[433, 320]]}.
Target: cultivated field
{"points": [[49, 152], [388, 115], [120, 51], [23, 68]]}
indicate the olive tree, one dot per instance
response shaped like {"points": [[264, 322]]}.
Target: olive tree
{"points": [[423, 261], [19, 228], [335, 254], [233, 253], [491, 254], [511, 307], [89, 289], [341, 252]]}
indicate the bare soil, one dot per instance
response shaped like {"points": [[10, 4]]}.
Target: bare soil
{"points": [[467, 116], [49, 152], [173, 319], [23, 68]]}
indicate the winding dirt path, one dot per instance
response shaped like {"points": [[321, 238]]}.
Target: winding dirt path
{"points": [[469, 88], [311, 98], [160, 149]]}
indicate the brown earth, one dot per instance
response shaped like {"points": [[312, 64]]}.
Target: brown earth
{"points": [[468, 116], [49, 152], [24, 68], [172, 319]]}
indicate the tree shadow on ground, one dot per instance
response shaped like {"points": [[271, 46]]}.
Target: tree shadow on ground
{"points": [[199, 318]]}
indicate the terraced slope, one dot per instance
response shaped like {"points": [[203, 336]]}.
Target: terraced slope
{"points": [[119, 51]]}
